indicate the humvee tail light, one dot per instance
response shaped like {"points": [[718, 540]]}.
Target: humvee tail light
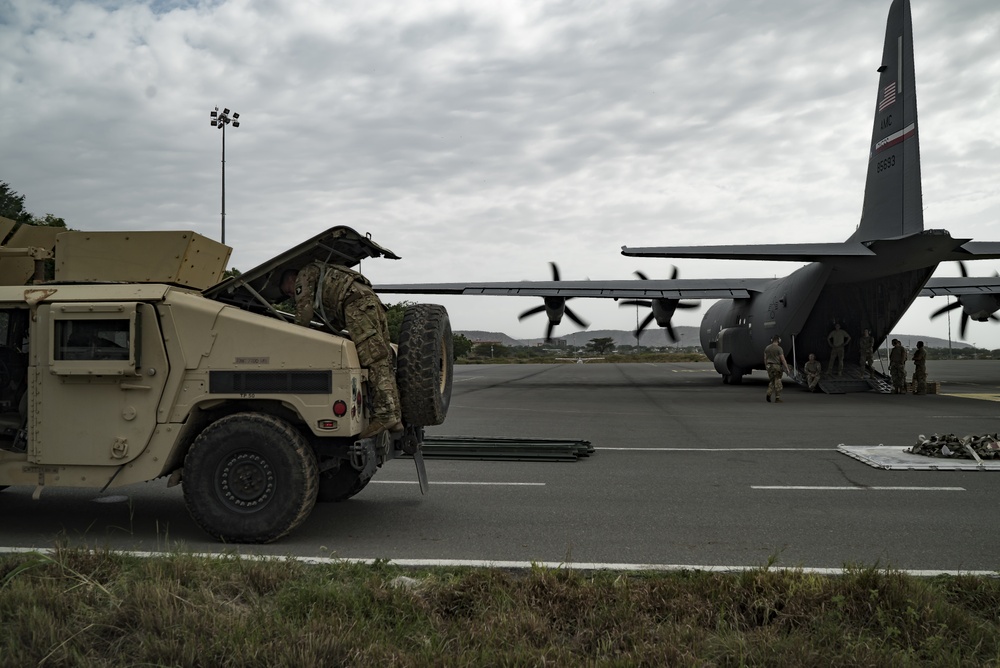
{"points": [[340, 408], [327, 424]]}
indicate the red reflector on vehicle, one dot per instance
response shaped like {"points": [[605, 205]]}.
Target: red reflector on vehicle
{"points": [[340, 408], [327, 424]]}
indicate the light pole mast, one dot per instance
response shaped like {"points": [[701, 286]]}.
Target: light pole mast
{"points": [[220, 119]]}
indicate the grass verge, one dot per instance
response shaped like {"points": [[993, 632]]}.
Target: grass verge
{"points": [[79, 607]]}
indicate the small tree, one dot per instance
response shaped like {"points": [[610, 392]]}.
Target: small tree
{"points": [[394, 316], [462, 345], [602, 345]]}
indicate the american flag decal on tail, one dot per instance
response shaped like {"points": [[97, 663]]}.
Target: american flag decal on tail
{"points": [[888, 97]]}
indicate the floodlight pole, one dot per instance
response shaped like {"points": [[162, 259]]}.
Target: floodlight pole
{"points": [[220, 119]]}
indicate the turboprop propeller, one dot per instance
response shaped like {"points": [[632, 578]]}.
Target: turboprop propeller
{"points": [[661, 309], [554, 308], [980, 308]]}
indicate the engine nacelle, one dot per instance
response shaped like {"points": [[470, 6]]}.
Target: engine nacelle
{"points": [[555, 307]]}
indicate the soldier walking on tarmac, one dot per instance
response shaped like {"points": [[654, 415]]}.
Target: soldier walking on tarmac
{"points": [[837, 339], [344, 299], [867, 344], [774, 362], [897, 367], [920, 369]]}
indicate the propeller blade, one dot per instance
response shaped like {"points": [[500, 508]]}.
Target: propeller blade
{"points": [[671, 333], [688, 304], [575, 318], [642, 275], [644, 325], [673, 276], [947, 307], [531, 311], [962, 325], [961, 268], [636, 302], [548, 331], [555, 271]]}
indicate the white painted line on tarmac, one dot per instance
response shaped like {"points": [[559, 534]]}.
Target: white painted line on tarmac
{"points": [[499, 484], [486, 563], [858, 487]]}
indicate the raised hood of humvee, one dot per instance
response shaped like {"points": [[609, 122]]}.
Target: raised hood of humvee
{"points": [[258, 289]]}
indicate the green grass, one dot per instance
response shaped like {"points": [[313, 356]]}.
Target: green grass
{"points": [[85, 608]]}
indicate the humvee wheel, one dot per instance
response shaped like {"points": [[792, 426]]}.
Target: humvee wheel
{"points": [[341, 484], [424, 366], [250, 478]]}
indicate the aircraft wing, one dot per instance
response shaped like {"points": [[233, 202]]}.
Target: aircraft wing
{"points": [[778, 252], [972, 285], [679, 288]]}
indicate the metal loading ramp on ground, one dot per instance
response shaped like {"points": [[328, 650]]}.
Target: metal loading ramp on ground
{"points": [[895, 458], [506, 449]]}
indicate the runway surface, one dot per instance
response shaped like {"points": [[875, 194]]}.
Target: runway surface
{"points": [[686, 471]]}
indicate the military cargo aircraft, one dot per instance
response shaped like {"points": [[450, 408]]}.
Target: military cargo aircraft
{"points": [[865, 282]]}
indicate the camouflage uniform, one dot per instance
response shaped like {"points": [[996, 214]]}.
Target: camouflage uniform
{"points": [[837, 339], [920, 371], [347, 302], [813, 369], [867, 345], [772, 362], [897, 368]]}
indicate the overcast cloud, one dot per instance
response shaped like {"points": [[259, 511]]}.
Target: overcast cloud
{"points": [[479, 141]]}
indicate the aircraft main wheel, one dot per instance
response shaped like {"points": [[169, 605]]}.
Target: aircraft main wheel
{"points": [[250, 478], [341, 484], [424, 364], [725, 380]]}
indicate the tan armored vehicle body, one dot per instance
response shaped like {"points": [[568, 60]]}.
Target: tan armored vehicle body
{"points": [[137, 363]]}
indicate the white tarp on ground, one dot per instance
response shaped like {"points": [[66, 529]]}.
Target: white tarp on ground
{"points": [[895, 458]]}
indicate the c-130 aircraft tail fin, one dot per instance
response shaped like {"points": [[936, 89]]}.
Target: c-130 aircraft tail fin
{"points": [[893, 204]]}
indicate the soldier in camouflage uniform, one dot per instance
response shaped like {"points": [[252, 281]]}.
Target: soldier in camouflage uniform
{"points": [[897, 367], [813, 369], [774, 362], [867, 344], [920, 369], [345, 300], [837, 339]]}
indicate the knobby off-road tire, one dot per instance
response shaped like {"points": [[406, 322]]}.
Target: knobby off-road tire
{"points": [[424, 366], [250, 478], [341, 484]]}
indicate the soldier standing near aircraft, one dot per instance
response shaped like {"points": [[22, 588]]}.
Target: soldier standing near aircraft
{"points": [[774, 362], [920, 369], [344, 299], [897, 367], [837, 339], [867, 343], [813, 369]]}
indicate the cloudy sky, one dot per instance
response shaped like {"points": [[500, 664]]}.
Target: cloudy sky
{"points": [[481, 140]]}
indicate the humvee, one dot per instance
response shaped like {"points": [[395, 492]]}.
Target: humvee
{"points": [[137, 362]]}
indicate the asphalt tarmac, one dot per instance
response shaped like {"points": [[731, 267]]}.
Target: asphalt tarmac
{"points": [[687, 471]]}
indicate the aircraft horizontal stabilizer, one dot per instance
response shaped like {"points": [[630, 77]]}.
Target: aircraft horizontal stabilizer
{"points": [[982, 250], [775, 252]]}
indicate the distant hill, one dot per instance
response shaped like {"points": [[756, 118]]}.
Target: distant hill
{"points": [[656, 337]]}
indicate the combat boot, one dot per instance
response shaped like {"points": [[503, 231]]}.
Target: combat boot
{"points": [[380, 424]]}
